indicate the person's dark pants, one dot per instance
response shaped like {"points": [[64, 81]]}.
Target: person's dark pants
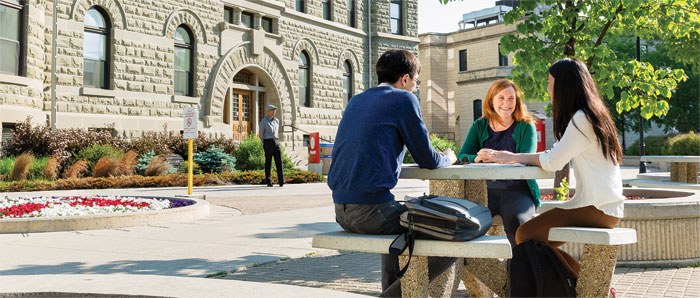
{"points": [[383, 219], [515, 206], [272, 148]]}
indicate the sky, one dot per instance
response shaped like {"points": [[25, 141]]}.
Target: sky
{"points": [[442, 18]]}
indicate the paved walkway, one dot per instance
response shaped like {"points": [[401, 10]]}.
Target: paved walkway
{"points": [[256, 240]]}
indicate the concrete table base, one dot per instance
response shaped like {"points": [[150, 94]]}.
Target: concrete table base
{"points": [[481, 277], [684, 172], [597, 268], [414, 284]]}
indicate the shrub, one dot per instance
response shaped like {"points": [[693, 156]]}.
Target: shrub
{"points": [[104, 167], [6, 165], [76, 169], [158, 166], [21, 167], [684, 144], [95, 152], [250, 156], [143, 162], [439, 143], [51, 169], [36, 170], [653, 145], [125, 166], [214, 160], [182, 168], [159, 143]]}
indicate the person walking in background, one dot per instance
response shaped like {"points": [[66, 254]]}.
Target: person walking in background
{"points": [[587, 137], [377, 127], [505, 125], [269, 134]]}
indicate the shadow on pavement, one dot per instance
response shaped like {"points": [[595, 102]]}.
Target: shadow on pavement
{"points": [[302, 230]]}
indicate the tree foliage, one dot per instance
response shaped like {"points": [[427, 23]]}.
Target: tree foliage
{"points": [[548, 30]]}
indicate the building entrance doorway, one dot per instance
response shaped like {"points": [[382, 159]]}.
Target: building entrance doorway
{"points": [[242, 110]]}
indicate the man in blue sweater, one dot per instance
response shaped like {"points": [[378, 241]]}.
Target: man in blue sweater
{"points": [[377, 126]]}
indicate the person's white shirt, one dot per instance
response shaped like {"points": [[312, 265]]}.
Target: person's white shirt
{"points": [[598, 179]]}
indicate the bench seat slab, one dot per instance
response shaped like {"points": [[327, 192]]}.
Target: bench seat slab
{"points": [[482, 247], [598, 236]]}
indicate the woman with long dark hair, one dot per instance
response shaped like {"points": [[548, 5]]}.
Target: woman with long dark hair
{"points": [[587, 136], [505, 125]]}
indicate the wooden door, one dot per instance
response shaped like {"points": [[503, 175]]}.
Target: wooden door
{"points": [[241, 115]]}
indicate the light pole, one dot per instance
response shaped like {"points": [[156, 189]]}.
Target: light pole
{"points": [[53, 68], [642, 165]]}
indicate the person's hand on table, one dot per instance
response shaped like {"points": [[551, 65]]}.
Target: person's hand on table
{"points": [[451, 155], [484, 155], [504, 157]]}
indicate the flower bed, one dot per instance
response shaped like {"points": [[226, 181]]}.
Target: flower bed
{"points": [[23, 207], [550, 197]]}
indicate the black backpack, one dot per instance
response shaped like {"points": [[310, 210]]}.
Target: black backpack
{"points": [[536, 271]]}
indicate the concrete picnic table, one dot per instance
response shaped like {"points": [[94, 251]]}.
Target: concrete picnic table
{"points": [[684, 169], [481, 277]]}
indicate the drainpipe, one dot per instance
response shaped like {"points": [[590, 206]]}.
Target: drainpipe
{"points": [[369, 46], [53, 69]]}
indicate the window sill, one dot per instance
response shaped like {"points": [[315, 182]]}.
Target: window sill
{"points": [[90, 91], [19, 80], [395, 36], [185, 99]]}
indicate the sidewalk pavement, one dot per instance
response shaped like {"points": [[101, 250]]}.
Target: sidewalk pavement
{"points": [[253, 235]]}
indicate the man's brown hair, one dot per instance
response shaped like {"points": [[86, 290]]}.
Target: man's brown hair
{"points": [[393, 64]]}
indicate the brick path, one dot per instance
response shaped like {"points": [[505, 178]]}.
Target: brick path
{"points": [[359, 273]]}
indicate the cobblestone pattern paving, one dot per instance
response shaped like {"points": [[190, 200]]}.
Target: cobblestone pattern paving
{"points": [[360, 273]]}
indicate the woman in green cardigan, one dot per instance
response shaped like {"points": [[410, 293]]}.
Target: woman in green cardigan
{"points": [[505, 125]]}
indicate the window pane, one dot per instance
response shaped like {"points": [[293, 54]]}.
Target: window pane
{"points": [[346, 67], [327, 10], [94, 18], [302, 96], [9, 23], [247, 20], [182, 82], [182, 35], [94, 46], [477, 109], [93, 73], [267, 24], [395, 10], [462, 60], [182, 59], [302, 77], [303, 60], [395, 26], [9, 51], [228, 16], [300, 5], [346, 87]]}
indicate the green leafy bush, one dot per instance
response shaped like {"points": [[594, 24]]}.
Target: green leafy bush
{"points": [[250, 156], [214, 160], [143, 162], [36, 170], [684, 144], [6, 166], [93, 153], [439, 143], [653, 145], [182, 168]]}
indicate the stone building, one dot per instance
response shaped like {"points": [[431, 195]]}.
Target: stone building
{"points": [[459, 68], [132, 66]]}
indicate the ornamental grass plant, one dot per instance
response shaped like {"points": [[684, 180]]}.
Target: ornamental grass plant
{"points": [[21, 167], [158, 166], [76, 169], [104, 167], [51, 168], [125, 166]]}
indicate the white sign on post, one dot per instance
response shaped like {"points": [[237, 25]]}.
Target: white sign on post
{"points": [[190, 131]]}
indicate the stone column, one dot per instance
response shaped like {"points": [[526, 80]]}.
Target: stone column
{"points": [[237, 15], [257, 22]]}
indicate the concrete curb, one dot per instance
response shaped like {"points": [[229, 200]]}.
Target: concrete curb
{"points": [[105, 221]]}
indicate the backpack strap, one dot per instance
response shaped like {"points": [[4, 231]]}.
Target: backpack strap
{"points": [[400, 243]]}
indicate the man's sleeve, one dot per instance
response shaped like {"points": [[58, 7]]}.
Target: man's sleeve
{"points": [[415, 136], [261, 131]]}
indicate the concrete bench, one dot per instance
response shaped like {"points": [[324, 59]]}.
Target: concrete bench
{"points": [[599, 255], [415, 281]]}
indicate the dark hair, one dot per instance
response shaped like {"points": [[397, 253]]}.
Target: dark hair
{"points": [[574, 90], [393, 64]]}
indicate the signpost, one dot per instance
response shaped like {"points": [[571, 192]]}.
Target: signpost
{"points": [[189, 133]]}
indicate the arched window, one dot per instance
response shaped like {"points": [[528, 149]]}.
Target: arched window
{"points": [[304, 79], [10, 37], [347, 81], [183, 61], [96, 49]]}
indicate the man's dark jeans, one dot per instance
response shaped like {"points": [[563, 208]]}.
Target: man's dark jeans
{"points": [[383, 219], [272, 149]]}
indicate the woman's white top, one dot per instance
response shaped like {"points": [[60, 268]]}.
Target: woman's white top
{"points": [[598, 179]]}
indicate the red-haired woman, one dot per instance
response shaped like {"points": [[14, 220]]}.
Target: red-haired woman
{"points": [[505, 125], [587, 137]]}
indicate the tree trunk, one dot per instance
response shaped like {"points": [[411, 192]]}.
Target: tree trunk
{"points": [[561, 174]]}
